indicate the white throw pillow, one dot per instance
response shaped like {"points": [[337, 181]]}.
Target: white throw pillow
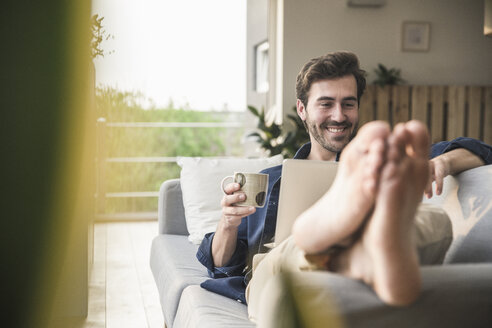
{"points": [[202, 193]]}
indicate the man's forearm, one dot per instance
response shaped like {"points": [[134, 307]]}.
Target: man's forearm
{"points": [[223, 244], [459, 160]]}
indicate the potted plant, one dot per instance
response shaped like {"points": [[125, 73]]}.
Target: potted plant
{"points": [[272, 137], [385, 76]]}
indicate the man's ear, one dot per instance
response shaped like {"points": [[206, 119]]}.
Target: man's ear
{"points": [[301, 110]]}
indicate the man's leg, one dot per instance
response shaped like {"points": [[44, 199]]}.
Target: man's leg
{"points": [[397, 189], [338, 214], [335, 218], [387, 238], [385, 256]]}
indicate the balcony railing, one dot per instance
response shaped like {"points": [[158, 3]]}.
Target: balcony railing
{"points": [[102, 194]]}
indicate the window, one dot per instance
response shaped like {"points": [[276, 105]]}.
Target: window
{"points": [[261, 66]]}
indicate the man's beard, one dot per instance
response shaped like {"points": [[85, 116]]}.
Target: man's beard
{"points": [[317, 133]]}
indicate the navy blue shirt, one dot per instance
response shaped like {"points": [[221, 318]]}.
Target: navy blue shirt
{"points": [[259, 228]]}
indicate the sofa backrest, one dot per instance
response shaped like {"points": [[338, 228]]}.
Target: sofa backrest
{"points": [[467, 199]]}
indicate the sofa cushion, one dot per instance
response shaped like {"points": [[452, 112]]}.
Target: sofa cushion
{"points": [[475, 247], [467, 199], [200, 308], [174, 267], [474, 193], [200, 183]]}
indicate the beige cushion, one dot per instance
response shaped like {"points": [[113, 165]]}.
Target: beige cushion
{"points": [[200, 183], [433, 234]]}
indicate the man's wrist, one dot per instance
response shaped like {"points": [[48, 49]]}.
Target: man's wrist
{"points": [[443, 164], [227, 227], [446, 163], [224, 243]]}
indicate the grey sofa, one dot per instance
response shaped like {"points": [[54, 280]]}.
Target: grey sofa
{"points": [[455, 294], [178, 273]]}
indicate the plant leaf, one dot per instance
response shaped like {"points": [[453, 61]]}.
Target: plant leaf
{"points": [[254, 111]]}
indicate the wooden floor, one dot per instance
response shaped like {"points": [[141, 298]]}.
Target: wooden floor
{"points": [[122, 291]]}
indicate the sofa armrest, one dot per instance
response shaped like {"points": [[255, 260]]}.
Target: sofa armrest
{"points": [[466, 198], [457, 295], [170, 210]]}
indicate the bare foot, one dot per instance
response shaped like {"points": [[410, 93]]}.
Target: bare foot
{"points": [[342, 210], [395, 274]]}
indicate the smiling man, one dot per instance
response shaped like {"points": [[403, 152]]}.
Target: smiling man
{"points": [[328, 90], [330, 114]]}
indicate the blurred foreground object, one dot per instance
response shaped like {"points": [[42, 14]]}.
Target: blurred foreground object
{"points": [[47, 162]]}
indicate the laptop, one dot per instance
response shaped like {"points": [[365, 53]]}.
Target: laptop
{"points": [[303, 183]]}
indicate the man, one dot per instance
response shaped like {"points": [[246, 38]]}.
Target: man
{"points": [[328, 90]]}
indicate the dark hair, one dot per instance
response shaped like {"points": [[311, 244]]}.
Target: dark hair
{"points": [[330, 66]]}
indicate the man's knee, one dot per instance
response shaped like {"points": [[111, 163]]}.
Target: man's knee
{"points": [[433, 234]]}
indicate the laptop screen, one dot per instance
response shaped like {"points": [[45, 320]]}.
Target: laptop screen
{"points": [[303, 183]]}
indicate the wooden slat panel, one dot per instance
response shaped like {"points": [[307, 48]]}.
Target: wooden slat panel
{"points": [[366, 107], [487, 128], [401, 103], [474, 103], [382, 105], [420, 99], [437, 110], [456, 111]]}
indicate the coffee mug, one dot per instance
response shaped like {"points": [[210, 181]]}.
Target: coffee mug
{"points": [[254, 185]]}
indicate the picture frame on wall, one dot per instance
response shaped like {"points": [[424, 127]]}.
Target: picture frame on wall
{"points": [[415, 36]]}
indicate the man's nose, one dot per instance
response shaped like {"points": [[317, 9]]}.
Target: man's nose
{"points": [[337, 113]]}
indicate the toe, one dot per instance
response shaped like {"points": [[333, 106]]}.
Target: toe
{"points": [[419, 138], [374, 130], [376, 155], [370, 132]]}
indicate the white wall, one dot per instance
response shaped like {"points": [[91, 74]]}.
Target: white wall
{"points": [[459, 53], [257, 32]]}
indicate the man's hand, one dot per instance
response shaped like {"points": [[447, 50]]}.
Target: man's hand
{"points": [[225, 238], [450, 163], [439, 169], [231, 214]]}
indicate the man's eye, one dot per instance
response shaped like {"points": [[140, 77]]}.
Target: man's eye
{"points": [[326, 104], [349, 105]]}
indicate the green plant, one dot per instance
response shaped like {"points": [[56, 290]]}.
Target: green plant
{"points": [[274, 140], [98, 35], [124, 106], [385, 76]]}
